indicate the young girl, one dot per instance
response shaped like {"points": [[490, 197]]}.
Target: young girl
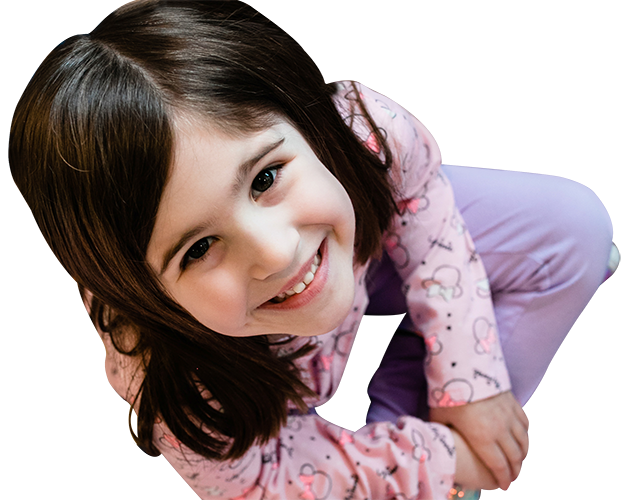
{"points": [[166, 212]]}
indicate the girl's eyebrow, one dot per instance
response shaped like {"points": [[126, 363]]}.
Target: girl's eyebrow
{"points": [[168, 256], [241, 174], [245, 167]]}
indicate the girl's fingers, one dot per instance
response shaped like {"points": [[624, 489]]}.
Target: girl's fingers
{"points": [[499, 465], [522, 438], [519, 432], [470, 470], [514, 447], [520, 414]]}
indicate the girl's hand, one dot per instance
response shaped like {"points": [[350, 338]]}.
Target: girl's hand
{"points": [[470, 472], [496, 431]]}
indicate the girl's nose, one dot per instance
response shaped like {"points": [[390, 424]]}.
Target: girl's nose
{"points": [[270, 248]]}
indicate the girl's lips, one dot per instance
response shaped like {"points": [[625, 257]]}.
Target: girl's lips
{"points": [[300, 299]]}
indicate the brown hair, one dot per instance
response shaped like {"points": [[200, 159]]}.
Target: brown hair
{"points": [[90, 149]]}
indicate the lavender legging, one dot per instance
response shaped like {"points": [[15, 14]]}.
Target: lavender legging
{"points": [[545, 243]]}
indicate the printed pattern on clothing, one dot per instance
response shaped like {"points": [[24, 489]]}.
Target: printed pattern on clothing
{"points": [[444, 281], [315, 460]]}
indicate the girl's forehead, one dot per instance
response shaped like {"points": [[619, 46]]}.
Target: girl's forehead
{"points": [[185, 122], [205, 145], [196, 137]]}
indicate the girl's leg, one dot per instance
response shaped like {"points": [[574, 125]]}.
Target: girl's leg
{"points": [[545, 243]]}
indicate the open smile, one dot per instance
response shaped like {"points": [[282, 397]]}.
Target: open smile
{"points": [[302, 289], [301, 285]]}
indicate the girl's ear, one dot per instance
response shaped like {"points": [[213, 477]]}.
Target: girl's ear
{"points": [[87, 298]]}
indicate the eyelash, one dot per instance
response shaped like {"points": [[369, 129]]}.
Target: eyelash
{"points": [[187, 259]]}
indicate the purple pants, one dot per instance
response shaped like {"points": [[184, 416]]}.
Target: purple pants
{"points": [[545, 243]]}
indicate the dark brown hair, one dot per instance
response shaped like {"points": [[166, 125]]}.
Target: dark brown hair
{"points": [[90, 149]]}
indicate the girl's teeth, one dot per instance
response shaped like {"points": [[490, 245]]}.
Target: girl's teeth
{"points": [[301, 286]]}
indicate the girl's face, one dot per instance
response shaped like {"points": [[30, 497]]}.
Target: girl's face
{"points": [[253, 234]]}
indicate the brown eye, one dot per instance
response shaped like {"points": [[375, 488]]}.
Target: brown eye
{"points": [[264, 180], [197, 251]]}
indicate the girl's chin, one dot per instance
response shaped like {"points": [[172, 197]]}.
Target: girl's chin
{"points": [[330, 316]]}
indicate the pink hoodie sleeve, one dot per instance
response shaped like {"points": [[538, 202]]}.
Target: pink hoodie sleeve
{"points": [[312, 459], [445, 283]]}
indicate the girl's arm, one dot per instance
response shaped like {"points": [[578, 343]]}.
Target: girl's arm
{"points": [[313, 459], [446, 288]]}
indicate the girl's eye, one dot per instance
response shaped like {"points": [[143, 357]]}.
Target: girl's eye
{"points": [[197, 251], [264, 180]]}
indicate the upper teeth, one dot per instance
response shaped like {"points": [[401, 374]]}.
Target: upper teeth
{"points": [[301, 286]]}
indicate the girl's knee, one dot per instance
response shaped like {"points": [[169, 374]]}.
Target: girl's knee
{"points": [[581, 212], [583, 230]]}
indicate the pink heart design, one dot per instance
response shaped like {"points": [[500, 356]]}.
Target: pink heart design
{"points": [[327, 361], [447, 401], [307, 480], [489, 340], [411, 205], [244, 495], [391, 243], [173, 441], [345, 438], [307, 494], [372, 144]]}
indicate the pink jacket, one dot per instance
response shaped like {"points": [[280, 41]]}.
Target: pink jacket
{"points": [[448, 298]]}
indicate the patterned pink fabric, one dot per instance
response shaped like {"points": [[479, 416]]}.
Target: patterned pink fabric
{"points": [[448, 296], [446, 287]]}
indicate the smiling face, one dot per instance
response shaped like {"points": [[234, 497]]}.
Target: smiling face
{"points": [[253, 234]]}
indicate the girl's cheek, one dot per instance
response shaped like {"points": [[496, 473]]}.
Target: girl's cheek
{"points": [[327, 198], [216, 301]]}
